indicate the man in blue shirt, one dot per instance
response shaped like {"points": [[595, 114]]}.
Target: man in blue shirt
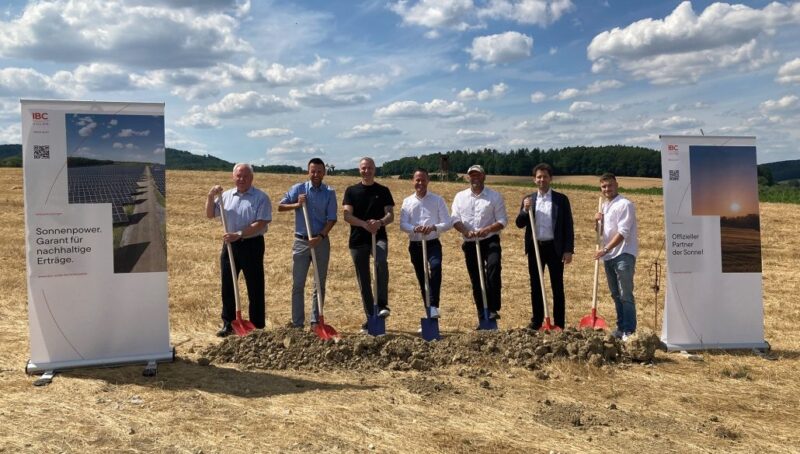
{"points": [[320, 201], [248, 211]]}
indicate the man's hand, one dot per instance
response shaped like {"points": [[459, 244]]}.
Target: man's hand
{"points": [[526, 203], [314, 241], [215, 191], [232, 237], [567, 259], [301, 200], [373, 225]]}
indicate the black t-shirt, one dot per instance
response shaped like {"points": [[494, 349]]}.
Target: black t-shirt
{"points": [[368, 202]]}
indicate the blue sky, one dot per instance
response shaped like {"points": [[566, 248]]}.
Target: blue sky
{"points": [[281, 82], [133, 138]]}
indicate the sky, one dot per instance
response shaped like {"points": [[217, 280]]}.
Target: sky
{"points": [[281, 82], [133, 138]]}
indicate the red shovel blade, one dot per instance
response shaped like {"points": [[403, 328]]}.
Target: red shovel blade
{"points": [[325, 332], [593, 321], [242, 327], [546, 326]]}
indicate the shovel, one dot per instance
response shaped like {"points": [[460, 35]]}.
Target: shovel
{"points": [[240, 326], [546, 326], [376, 326], [323, 331], [484, 323], [430, 326], [593, 320]]}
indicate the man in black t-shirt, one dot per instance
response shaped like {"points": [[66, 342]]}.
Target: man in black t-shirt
{"points": [[368, 208]]}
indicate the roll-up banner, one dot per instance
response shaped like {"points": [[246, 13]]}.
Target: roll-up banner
{"points": [[713, 244], [95, 233]]}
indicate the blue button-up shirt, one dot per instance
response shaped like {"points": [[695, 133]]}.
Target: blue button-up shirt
{"points": [[244, 208], [321, 203]]}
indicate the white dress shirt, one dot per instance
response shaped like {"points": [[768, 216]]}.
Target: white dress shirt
{"points": [[619, 216], [425, 211], [544, 216], [479, 211]]}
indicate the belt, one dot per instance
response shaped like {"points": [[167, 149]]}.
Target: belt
{"points": [[301, 237], [543, 242]]}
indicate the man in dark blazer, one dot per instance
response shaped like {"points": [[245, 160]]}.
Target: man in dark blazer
{"points": [[554, 232]]}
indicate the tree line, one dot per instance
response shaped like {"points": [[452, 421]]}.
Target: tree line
{"points": [[622, 160]]}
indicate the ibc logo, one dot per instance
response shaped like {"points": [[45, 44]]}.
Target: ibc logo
{"points": [[38, 116], [672, 149]]}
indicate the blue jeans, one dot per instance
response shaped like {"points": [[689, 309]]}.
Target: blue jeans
{"points": [[619, 273]]}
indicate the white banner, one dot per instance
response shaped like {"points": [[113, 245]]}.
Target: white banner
{"points": [[95, 229], [713, 243]]}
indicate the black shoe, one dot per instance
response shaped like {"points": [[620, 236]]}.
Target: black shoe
{"points": [[385, 312], [364, 328], [533, 327], [494, 315], [225, 331]]}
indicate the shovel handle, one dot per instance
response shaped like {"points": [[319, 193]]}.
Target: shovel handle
{"points": [[480, 273], [426, 268], [374, 272], [234, 274], [317, 282], [599, 229], [538, 262]]}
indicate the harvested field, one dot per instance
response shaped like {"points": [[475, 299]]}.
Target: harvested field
{"points": [[505, 398]]}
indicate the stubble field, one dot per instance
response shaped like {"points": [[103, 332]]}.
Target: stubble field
{"points": [[728, 401]]}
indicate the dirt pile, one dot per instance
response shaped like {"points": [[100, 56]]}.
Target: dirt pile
{"points": [[296, 349]]}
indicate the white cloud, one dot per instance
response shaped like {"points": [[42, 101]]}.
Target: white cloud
{"points": [[412, 109], [672, 123], [435, 13], [786, 103], [789, 73], [501, 48], [694, 106], [472, 135], [118, 145], [269, 132], [538, 12], [554, 117], [249, 103], [88, 127], [321, 123], [537, 97], [27, 82], [497, 91], [130, 133], [112, 31], [593, 88], [683, 46], [585, 106], [370, 130], [465, 14], [419, 145], [341, 90], [294, 150], [11, 133], [198, 117]]}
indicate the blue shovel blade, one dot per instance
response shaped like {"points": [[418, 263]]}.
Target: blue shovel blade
{"points": [[376, 326], [430, 329], [486, 323]]}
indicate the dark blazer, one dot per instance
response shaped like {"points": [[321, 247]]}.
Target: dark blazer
{"points": [[563, 233]]}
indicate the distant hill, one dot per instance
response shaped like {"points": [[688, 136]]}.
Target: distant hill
{"points": [[784, 170], [11, 156]]}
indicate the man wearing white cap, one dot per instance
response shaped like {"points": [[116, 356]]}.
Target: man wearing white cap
{"points": [[479, 213]]}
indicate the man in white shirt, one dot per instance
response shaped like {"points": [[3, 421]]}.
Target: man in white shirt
{"points": [[424, 217], [479, 213], [620, 237]]}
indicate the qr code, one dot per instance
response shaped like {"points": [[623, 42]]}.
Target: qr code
{"points": [[674, 175], [41, 152]]}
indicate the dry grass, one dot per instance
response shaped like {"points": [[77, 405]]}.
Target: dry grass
{"points": [[728, 402]]}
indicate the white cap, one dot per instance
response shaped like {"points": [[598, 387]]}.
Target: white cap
{"points": [[476, 168]]}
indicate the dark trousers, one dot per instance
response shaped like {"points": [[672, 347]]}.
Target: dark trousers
{"points": [[360, 257], [491, 254], [434, 263], [248, 256], [555, 265]]}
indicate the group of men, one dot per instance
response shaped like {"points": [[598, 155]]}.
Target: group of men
{"points": [[478, 213]]}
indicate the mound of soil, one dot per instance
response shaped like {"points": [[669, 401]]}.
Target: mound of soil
{"points": [[287, 348]]}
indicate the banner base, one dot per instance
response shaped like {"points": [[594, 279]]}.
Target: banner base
{"points": [[166, 357], [732, 346]]}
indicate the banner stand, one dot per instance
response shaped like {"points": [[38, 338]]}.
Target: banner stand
{"points": [[713, 297], [95, 234]]}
